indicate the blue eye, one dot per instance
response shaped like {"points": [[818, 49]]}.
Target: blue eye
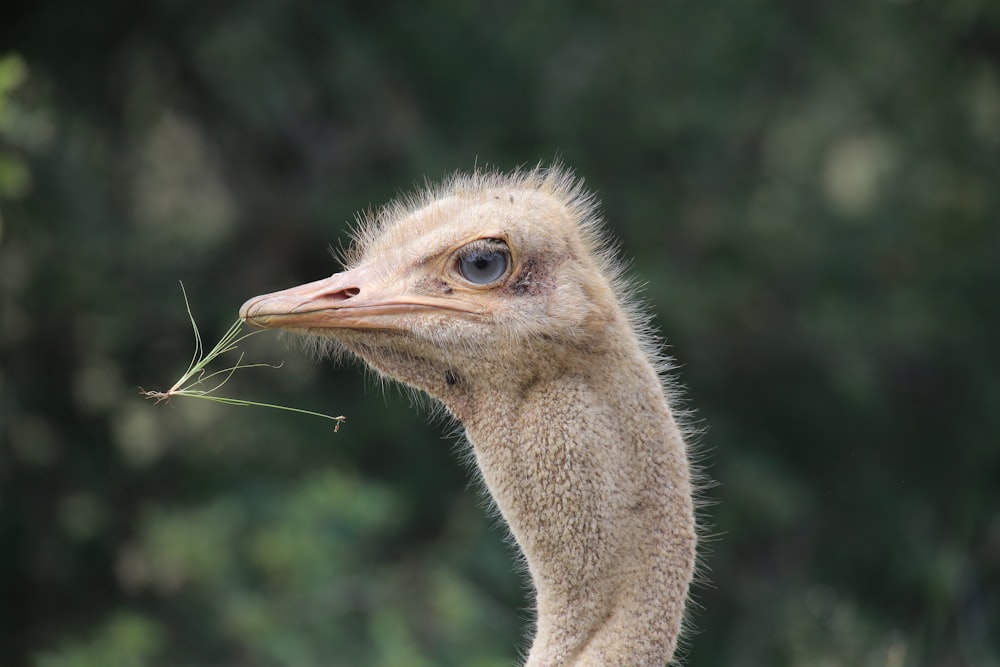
{"points": [[483, 266]]}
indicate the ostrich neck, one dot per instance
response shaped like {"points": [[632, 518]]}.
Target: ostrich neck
{"points": [[595, 486]]}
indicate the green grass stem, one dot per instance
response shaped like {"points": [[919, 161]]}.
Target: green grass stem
{"points": [[196, 380]]}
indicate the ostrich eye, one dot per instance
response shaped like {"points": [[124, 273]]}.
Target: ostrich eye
{"points": [[483, 265]]}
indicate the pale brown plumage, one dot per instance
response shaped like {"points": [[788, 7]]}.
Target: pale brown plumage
{"points": [[497, 295]]}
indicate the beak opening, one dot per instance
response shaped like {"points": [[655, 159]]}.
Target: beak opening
{"points": [[347, 300]]}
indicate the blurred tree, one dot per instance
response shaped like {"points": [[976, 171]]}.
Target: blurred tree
{"points": [[14, 175]]}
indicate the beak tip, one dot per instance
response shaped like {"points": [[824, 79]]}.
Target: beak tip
{"points": [[249, 311], [245, 309]]}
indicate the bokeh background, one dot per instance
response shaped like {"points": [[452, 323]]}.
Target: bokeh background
{"points": [[809, 191]]}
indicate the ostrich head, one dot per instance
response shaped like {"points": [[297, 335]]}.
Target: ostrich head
{"points": [[496, 295], [489, 279]]}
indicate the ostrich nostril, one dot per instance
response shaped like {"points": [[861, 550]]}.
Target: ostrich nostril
{"points": [[343, 294]]}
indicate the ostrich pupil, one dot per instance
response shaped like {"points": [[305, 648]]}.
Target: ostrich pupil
{"points": [[483, 267]]}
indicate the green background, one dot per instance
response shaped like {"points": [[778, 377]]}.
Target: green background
{"points": [[809, 192]]}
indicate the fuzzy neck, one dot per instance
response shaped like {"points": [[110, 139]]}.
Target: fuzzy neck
{"points": [[590, 472]]}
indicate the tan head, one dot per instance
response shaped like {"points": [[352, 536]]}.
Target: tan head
{"points": [[496, 295], [488, 274]]}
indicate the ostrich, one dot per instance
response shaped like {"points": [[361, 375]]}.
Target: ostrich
{"points": [[498, 295]]}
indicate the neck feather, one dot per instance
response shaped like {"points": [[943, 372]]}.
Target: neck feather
{"points": [[590, 471]]}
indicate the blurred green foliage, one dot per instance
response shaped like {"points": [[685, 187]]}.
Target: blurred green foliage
{"points": [[809, 192]]}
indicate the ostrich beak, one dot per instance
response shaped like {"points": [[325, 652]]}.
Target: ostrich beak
{"points": [[355, 299]]}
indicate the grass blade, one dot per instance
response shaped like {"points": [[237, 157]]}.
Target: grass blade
{"points": [[197, 373]]}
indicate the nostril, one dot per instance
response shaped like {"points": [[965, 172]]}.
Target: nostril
{"points": [[344, 294]]}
